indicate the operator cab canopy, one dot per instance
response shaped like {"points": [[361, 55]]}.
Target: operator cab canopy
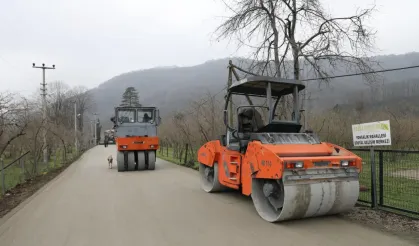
{"points": [[136, 115], [257, 86], [272, 89]]}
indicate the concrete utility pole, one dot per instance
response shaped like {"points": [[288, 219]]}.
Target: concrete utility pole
{"points": [[92, 126], [91, 130], [44, 108], [75, 126], [95, 128], [229, 83]]}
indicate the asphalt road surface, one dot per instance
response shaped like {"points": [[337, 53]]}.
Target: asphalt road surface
{"points": [[89, 204]]}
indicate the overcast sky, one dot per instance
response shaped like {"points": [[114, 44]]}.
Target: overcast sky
{"points": [[91, 41]]}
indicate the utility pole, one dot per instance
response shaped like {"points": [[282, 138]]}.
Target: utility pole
{"points": [[44, 108], [92, 130], [229, 83], [75, 126], [95, 128]]}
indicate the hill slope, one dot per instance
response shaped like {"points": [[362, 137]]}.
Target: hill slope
{"points": [[172, 88]]}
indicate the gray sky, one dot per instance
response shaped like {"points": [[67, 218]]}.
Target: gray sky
{"points": [[91, 41]]}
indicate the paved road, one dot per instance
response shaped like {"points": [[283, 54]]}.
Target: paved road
{"points": [[89, 204]]}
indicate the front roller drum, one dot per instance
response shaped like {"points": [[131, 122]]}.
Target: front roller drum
{"points": [[279, 200], [120, 161], [141, 160], [209, 178], [125, 161], [130, 161], [151, 160]]}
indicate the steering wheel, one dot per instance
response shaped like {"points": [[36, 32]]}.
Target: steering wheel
{"points": [[234, 133]]}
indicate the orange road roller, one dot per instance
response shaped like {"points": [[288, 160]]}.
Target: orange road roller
{"points": [[136, 137], [289, 174]]}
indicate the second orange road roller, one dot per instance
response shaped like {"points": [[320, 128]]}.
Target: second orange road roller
{"points": [[136, 137], [289, 173]]}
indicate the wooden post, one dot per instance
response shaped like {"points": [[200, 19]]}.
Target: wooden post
{"points": [[180, 155], [56, 157], [22, 169], [174, 152], [3, 181], [186, 154]]}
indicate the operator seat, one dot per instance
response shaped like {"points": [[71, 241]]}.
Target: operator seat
{"points": [[249, 120], [146, 118]]}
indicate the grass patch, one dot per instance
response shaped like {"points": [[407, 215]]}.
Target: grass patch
{"points": [[22, 191], [169, 155], [398, 190], [17, 174]]}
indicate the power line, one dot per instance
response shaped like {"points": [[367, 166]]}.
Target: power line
{"points": [[363, 73], [330, 77], [225, 87]]}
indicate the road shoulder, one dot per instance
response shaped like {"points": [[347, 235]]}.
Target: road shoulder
{"points": [[22, 194]]}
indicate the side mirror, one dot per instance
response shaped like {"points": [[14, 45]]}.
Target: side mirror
{"points": [[158, 118], [225, 117]]}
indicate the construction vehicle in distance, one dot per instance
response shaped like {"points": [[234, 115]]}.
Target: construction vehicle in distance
{"points": [[136, 137], [110, 136], [289, 174]]}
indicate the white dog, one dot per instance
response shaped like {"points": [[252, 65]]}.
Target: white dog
{"points": [[110, 159]]}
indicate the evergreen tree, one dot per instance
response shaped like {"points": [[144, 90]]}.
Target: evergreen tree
{"points": [[130, 98]]}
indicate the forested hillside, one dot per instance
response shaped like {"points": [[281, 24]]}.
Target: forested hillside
{"points": [[173, 88]]}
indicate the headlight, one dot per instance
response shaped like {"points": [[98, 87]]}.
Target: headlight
{"points": [[123, 146], [344, 163], [294, 164], [299, 164], [151, 146]]}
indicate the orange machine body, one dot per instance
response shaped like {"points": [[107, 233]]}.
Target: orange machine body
{"points": [[269, 161], [137, 143]]}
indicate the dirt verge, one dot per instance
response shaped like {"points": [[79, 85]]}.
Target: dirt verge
{"points": [[21, 192], [398, 225]]}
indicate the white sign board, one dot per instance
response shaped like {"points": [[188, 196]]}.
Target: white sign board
{"points": [[372, 134]]}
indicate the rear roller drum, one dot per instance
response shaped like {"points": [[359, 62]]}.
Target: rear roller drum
{"points": [[141, 160], [151, 160], [120, 161], [209, 178]]}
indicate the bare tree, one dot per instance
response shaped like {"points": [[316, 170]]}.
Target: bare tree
{"points": [[206, 114], [286, 34], [59, 92], [13, 119], [84, 101]]}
